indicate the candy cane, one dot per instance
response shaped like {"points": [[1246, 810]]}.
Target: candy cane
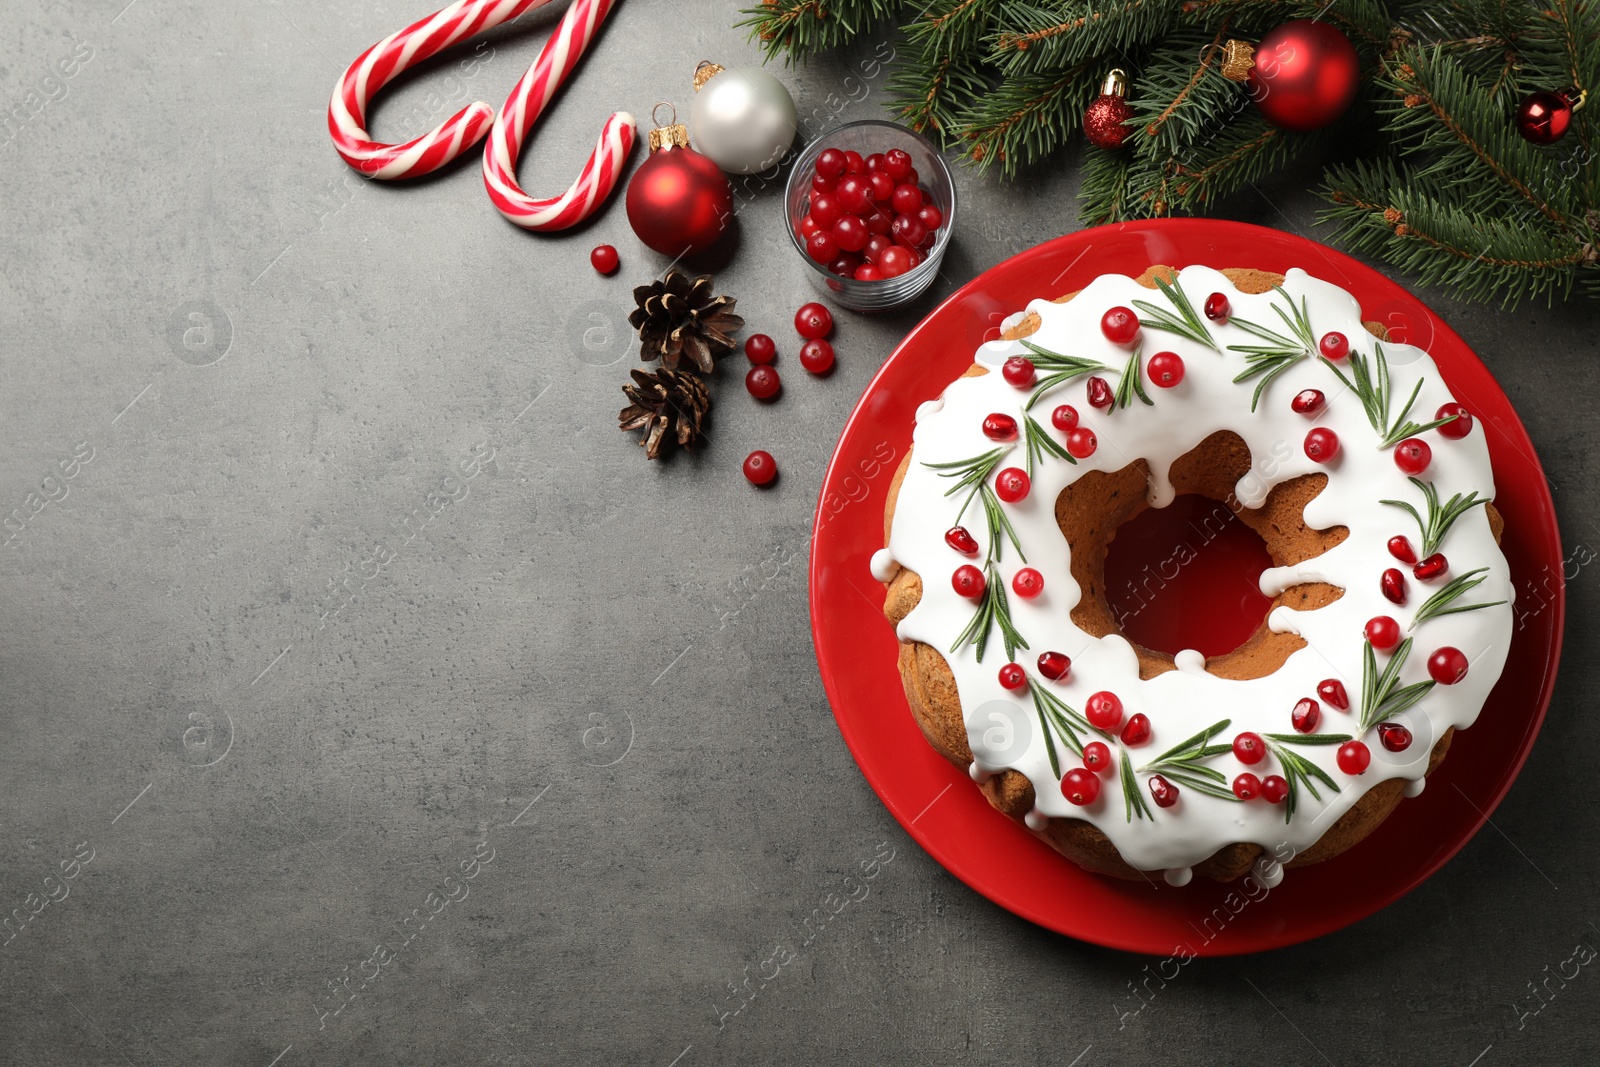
{"points": [[523, 108], [376, 66]]}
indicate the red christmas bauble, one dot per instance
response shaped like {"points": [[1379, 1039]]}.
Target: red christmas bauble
{"points": [[1104, 119], [679, 202], [1543, 118], [1306, 74]]}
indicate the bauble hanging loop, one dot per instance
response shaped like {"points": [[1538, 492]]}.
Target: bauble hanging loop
{"points": [[743, 119]]}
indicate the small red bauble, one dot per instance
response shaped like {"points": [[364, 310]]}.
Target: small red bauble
{"points": [[1393, 584], [1544, 117], [763, 382], [1246, 786], [1027, 583], [1097, 756], [1274, 789], [1165, 369], [1305, 75], [1120, 325], [1103, 710], [1413, 455], [1013, 676], [679, 202], [1137, 731], [1019, 371], [1308, 401], [1249, 749], [1447, 665], [604, 259], [1332, 692], [958, 538], [1080, 786], [759, 348], [1099, 393], [760, 468], [816, 356], [968, 581], [1354, 757], [813, 321], [1322, 445], [1456, 428], [1163, 792], [1011, 484], [1217, 308], [1393, 736], [1105, 119], [1334, 345], [1054, 665], [1306, 715], [999, 427], [1064, 418], [1400, 548], [1431, 568], [1081, 443], [1383, 633]]}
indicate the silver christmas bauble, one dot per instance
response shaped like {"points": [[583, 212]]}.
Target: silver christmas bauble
{"points": [[744, 120]]}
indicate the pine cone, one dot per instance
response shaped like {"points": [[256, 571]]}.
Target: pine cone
{"points": [[678, 319], [666, 399]]}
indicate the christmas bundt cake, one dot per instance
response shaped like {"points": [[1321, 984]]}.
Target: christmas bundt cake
{"points": [[1369, 485]]}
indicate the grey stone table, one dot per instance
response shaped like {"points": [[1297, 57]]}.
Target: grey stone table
{"points": [[274, 692]]}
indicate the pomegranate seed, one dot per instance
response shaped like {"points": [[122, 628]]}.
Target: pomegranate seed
{"points": [[1249, 749], [1334, 345], [1431, 568], [1054, 665], [1308, 401], [1332, 692], [1306, 715], [998, 427], [1274, 789], [1458, 427], [1137, 732], [1413, 455], [1097, 756], [1103, 710], [1383, 633], [760, 468], [1394, 737], [1099, 392], [1246, 786], [1165, 369], [1400, 548], [763, 382], [604, 259], [1120, 325], [813, 321], [1019, 371], [816, 356], [1163, 792], [1081, 443], [1028, 583], [1322, 444], [1217, 308], [1011, 484], [969, 581], [1080, 786], [1394, 586], [1012, 676], [1354, 757], [962, 541], [1064, 418], [1447, 665], [759, 348]]}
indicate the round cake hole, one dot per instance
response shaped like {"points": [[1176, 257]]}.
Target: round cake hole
{"points": [[1187, 576]]}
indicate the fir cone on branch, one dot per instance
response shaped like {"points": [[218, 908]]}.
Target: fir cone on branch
{"points": [[663, 401], [681, 320]]}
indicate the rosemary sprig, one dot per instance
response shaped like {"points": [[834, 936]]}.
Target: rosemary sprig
{"points": [[1129, 385], [1444, 601], [1280, 352], [1072, 726], [1182, 763], [1440, 516], [1056, 369], [1039, 443], [1380, 699], [1374, 394], [1185, 323], [994, 609], [973, 474], [1300, 771], [1133, 801]]}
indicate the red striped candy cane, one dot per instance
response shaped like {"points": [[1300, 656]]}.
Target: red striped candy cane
{"points": [[523, 108], [347, 111]]}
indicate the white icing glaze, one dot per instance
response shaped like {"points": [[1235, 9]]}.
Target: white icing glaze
{"points": [[1036, 819], [1183, 702], [1267, 871], [883, 565], [1178, 876], [1415, 787]]}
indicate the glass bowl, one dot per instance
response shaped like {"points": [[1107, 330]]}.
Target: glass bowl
{"points": [[867, 137]]}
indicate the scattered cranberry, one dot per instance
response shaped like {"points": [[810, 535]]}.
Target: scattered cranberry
{"points": [[821, 246], [1274, 789], [1012, 484], [1080, 786], [1413, 455], [816, 356], [894, 261], [1322, 444], [1165, 369], [831, 163], [1103, 710], [1394, 586], [1447, 665], [1249, 749], [1306, 715], [1354, 757], [1308, 401], [999, 427], [1163, 792], [1027, 583], [1097, 756], [813, 321], [1054, 665], [968, 581], [1120, 325], [760, 468], [1383, 633], [763, 382], [1400, 548], [1457, 427], [958, 538], [1217, 308], [1013, 676], [1137, 732], [1334, 345], [1246, 786], [1064, 418], [1431, 568], [1081, 443], [1394, 737], [759, 348], [604, 259], [1020, 371], [1332, 692], [1099, 392]]}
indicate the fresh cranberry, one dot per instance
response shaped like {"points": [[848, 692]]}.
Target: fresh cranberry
{"points": [[1334, 345], [759, 348], [1120, 325], [1081, 443], [853, 163], [1308, 401], [1306, 715], [1165, 369], [1322, 444], [813, 320], [1332, 692], [1099, 392], [1456, 428], [895, 261], [908, 231], [826, 210], [821, 246], [1013, 677], [1080, 786], [960, 539], [1020, 371], [808, 226], [1383, 633], [1137, 731], [760, 468], [1354, 757], [831, 163], [1431, 568], [1011, 484], [1064, 418], [1274, 789], [845, 265], [897, 163], [1447, 665], [875, 247], [1103, 710], [820, 184], [850, 233], [1054, 665], [1413, 455], [816, 356], [604, 259], [868, 273], [1394, 737], [878, 222], [1393, 584], [1246, 786], [874, 162], [763, 382], [931, 217], [906, 200], [1249, 749], [999, 427], [854, 194], [968, 581], [1400, 548], [882, 186], [1217, 308], [1097, 756], [1027, 583], [1163, 792]]}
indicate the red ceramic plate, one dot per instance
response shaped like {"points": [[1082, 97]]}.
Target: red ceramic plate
{"points": [[941, 808]]}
